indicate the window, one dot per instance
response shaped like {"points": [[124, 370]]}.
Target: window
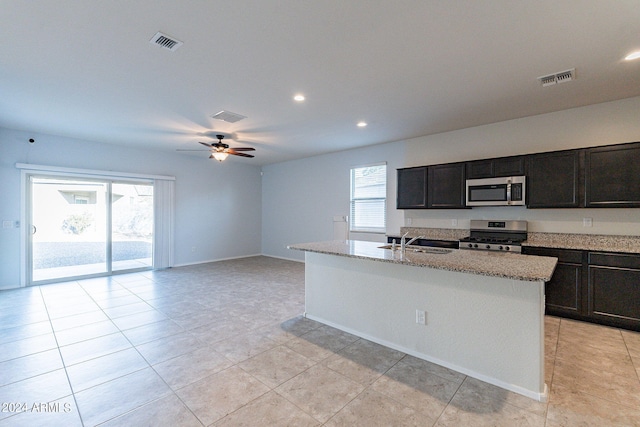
{"points": [[81, 200], [369, 198]]}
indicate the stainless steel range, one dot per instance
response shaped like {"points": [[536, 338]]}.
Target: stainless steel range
{"points": [[491, 235]]}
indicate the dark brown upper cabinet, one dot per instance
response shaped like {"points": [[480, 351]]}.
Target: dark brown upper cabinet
{"points": [[606, 176], [412, 188], [446, 189], [492, 168], [612, 176], [554, 180]]}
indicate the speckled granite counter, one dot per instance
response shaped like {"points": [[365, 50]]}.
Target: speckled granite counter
{"points": [[585, 242], [453, 234], [496, 264]]}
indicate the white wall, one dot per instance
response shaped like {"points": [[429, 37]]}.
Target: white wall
{"points": [[218, 205], [301, 197], [600, 124]]}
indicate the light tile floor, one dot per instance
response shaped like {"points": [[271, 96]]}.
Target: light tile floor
{"points": [[223, 344]]}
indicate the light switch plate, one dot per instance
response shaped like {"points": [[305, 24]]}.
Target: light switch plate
{"points": [[7, 224]]}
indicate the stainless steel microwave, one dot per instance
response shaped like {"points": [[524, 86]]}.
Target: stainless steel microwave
{"points": [[504, 191]]}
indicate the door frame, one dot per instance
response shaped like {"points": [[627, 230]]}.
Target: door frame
{"points": [[27, 170]]}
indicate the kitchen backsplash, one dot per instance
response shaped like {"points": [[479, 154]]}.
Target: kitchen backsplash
{"points": [[594, 242], [622, 222]]}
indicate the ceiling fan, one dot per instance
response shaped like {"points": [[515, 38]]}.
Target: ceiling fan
{"points": [[219, 150]]}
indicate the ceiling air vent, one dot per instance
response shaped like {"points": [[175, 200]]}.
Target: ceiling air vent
{"points": [[228, 116], [561, 77], [165, 41]]}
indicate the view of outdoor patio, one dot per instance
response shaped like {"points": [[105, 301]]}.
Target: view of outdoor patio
{"points": [[71, 227]]}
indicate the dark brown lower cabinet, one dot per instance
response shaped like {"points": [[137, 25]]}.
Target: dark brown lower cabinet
{"points": [[563, 293], [614, 289], [598, 287]]}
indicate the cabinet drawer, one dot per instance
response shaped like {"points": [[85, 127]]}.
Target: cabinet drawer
{"points": [[563, 255], [614, 260]]}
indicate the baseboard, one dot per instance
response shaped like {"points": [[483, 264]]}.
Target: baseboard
{"points": [[215, 260]]}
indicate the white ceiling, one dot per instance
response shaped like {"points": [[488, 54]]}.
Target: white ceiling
{"points": [[86, 69]]}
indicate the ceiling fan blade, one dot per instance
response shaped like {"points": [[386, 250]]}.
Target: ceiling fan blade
{"points": [[244, 149], [205, 144], [235, 153], [185, 149]]}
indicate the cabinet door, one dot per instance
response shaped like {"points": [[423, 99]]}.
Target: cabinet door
{"points": [[563, 291], [490, 168], [614, 289], [508, 166], [447, 186], [613, 176], [412, 188], [553, 180], [564, 294], [480, 169]]}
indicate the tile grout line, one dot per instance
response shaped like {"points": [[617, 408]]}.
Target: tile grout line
{"points": [[64, 365], [97, 357], [636, 368], [151, 367], [595, 396], [450, 400]]}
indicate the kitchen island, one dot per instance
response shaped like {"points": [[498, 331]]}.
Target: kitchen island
{"points": [[483, 312]]}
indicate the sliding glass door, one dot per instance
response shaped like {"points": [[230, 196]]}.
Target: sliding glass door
{"points": [[132, 226], [86, 227]]}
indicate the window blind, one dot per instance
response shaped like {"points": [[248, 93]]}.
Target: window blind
{"points": [[369, 198]]}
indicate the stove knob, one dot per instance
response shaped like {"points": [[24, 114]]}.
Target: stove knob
{"points": [[470, 245], [501, 248], [506, 248], [475, 245], [488, 247]]}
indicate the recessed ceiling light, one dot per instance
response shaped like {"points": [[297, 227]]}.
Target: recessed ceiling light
{"points": [[632, 56], [298, 98], [362, 124]]}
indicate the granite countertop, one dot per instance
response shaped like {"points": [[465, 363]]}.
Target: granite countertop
{"points": [[496, 264], [584, 242]]}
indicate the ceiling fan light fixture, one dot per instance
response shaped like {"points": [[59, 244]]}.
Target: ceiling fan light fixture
{"points": [[219, 155], [632, 56]]}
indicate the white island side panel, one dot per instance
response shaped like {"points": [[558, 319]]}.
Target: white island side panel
{"points": [[490, 328]]}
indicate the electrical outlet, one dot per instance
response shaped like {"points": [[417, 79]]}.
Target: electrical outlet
{"points": [[193, 248], [409, 221], [587, 222], [7, 224], [421, 317], [454, 222]]}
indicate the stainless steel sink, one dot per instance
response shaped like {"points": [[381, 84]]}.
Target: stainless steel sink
{"points": [[423, 249]]}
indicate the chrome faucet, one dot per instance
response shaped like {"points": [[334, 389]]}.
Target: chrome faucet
{"points": [[404, 243]]}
